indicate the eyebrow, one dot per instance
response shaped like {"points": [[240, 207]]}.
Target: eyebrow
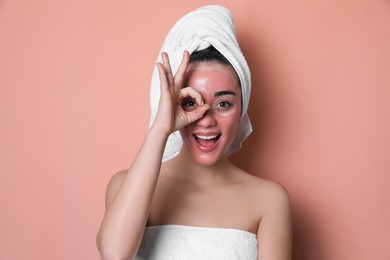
{"points": [[224, 92]]}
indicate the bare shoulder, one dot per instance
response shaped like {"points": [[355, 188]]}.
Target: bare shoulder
{"points": [[275, 228], [276, 202], [274, 192], [267, 194], [114, 185]]}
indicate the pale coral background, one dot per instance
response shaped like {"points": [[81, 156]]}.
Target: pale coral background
{"points": [[74, 79]]}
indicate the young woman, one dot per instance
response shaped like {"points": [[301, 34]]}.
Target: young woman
{"points": [[197, 205]]}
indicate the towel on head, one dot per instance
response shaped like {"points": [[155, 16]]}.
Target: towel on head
{"points": [[204, 27]]}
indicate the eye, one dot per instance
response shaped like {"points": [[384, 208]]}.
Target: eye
{"points": [[224, 104], [188, 105]]}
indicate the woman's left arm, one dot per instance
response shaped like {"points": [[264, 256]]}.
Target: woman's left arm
{"points": [[275, 230]]}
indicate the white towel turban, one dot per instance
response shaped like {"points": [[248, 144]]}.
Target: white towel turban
{"points": [[198, 30]]}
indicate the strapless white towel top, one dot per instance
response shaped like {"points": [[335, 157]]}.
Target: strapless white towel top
{"points": [[178, 242]]}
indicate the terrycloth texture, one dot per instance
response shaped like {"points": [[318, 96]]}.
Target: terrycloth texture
{"points": [[197, 30], [176, 242]]}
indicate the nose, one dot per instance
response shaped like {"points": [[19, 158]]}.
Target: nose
{"points": [[208, 119]]}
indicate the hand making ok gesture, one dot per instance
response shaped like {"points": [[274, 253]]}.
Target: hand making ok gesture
{"points": [[170, 115]]}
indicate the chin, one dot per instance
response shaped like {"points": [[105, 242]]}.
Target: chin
{"points": [[206, 159]]}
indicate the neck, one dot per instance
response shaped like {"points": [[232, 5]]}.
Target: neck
{"points": [[189, 168]]}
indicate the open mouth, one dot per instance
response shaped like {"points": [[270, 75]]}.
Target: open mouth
{"points": [[206, 140]]}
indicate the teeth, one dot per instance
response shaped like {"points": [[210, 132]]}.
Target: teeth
{"points": [[206, 137]]}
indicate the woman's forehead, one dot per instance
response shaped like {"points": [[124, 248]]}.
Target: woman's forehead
{"points": [[211, 74]]}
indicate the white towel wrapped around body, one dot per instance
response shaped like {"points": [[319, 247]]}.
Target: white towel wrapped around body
{"points": [[204, 27], [178, 242]]}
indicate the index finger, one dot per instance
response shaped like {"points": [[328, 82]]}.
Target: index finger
{"points": [[182, 69]]}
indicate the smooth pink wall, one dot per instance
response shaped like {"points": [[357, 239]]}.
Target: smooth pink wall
{"points": [[74, 82]]}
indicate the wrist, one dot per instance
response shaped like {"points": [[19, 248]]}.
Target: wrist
{"points": [[158, 133]]}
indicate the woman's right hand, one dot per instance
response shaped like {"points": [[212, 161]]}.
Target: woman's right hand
{"points": [[170, 115]]}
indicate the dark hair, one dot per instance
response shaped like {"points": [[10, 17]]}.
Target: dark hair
{"points": [[209, 54]]}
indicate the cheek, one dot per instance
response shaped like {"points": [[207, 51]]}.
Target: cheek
{"points": [[185, 134], [231, 116], [230, 124]]}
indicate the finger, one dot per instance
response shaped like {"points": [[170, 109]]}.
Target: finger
{"points": [[190, 92], [167, 67], [163, 77], [197, 113], [182, 69]]}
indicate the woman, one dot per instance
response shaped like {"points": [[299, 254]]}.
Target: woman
{"points": [[196, 205]]}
